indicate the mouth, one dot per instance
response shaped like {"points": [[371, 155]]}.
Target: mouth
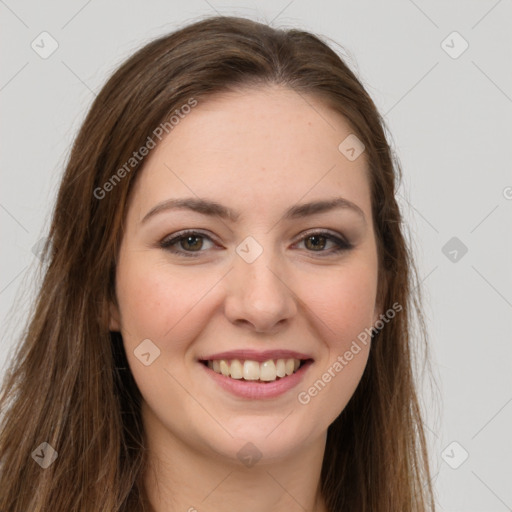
{"points": [[268, 371]]}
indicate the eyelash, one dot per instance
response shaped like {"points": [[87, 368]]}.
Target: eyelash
{"points": [[167, 244]]}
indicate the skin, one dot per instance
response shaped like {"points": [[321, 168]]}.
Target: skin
{"points": [[257, 151]]}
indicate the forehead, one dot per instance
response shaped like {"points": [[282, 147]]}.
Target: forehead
{"points": [[255, 148]]}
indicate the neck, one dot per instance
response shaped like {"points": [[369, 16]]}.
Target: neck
{"points": [[180, 478]]}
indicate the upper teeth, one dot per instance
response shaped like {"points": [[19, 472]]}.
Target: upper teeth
{"points": [[252, 370]]}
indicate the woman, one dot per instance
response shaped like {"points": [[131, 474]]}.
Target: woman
{"points": [[225, 316]]}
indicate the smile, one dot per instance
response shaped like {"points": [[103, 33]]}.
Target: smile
{"points": [[249, 370], [256, 380]]}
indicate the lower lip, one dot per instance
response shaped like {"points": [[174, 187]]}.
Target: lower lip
{"points": [[258, 390]]}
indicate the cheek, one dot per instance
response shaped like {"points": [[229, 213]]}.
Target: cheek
{"points": [[342, 306], [149, 304], [162, 306], [343, 302], [162, 303]]}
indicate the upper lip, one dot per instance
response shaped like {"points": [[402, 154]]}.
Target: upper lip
{"points": [[255, 355]]}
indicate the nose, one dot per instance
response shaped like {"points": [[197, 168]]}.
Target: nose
{"points": [[259, 295]]}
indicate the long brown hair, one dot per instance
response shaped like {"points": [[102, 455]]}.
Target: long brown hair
{"points": [[69, 384]]}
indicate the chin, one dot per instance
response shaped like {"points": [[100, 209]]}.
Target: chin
{"points": [[268, 439]]}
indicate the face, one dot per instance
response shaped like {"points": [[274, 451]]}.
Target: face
{"points": [[257, 277]]}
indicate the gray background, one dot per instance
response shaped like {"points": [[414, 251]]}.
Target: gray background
{"points": [[450, 121]]}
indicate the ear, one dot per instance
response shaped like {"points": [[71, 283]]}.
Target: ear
{"points": [[114, 318]]}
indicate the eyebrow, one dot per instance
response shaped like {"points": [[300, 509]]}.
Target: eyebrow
{"points": [[214, 209]]}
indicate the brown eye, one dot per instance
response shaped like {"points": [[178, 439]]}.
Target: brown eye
{"points": [[187, 244], [192, 243], [318, 242]]}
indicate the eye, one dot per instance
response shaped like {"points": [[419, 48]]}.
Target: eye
{"points": [[190, 242], [316, 241]]}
